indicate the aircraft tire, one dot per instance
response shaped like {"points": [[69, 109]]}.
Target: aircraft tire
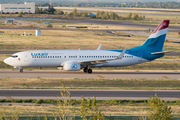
{"points": [[21, 70], [85, 70], [89, 71]]}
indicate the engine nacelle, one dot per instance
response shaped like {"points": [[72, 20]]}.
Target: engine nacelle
{"points": [[71, 66]]}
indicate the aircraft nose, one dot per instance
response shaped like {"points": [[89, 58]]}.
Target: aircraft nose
{"points": [[7, 61]]}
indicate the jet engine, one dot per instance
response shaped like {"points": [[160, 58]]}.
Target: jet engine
{"points": [[71, 66]]}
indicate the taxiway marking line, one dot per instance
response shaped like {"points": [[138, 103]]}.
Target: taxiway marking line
{"points": [[165, 77], [100, 76]]}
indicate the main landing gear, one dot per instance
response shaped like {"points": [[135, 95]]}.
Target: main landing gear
{"points": [[86, 70], [21, 70]]}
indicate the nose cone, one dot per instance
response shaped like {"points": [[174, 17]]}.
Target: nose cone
{"points": [[7, 61]]}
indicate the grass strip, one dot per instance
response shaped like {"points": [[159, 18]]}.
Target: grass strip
{"points": [[78, 102], [42, 107], [89, 83]]}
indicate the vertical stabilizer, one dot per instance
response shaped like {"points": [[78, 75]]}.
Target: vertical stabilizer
{"points": [[156, 40]]}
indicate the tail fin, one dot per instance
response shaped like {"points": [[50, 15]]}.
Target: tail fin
{"points": [[156, 40]]}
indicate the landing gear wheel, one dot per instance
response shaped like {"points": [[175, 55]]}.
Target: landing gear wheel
{"points": [[89, 71], [85, 70], [21, 70]]}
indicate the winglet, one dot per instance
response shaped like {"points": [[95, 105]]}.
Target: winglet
{"points": [[99, 48], [122, 54]]}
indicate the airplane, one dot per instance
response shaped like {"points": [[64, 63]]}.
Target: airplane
{"points": [[75, 60]]}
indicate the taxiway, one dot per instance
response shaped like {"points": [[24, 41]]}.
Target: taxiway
{"points": [[77, 94], [81, 74]]}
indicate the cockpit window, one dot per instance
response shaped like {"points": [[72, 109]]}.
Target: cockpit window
{"points": [[14, 56]]}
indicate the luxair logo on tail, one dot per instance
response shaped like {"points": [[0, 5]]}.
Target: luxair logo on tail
{"points": [[161, 29], [164, 24], [39, 54]]}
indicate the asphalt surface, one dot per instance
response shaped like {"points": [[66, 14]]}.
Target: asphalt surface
{"points": [[143, 33], [120, 23], [107, 22], [77, 94], [81, 74], [166, 54]]}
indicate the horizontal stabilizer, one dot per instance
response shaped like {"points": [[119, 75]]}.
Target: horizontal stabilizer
{"points": [[161, 52]]}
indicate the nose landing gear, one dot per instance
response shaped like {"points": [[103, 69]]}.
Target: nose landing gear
{"points": [[21, 70]]}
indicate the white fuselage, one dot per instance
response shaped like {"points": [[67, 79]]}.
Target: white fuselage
{"points": [[56, 58]]}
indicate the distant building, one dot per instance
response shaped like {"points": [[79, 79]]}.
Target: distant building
{"points": [[9, 21], [28, 7], [47, 22]]}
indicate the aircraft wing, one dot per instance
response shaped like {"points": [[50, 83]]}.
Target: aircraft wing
{"points": [[103, 60]]}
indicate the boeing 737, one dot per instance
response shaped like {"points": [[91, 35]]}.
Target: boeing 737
{"points": [[75, 60]]}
